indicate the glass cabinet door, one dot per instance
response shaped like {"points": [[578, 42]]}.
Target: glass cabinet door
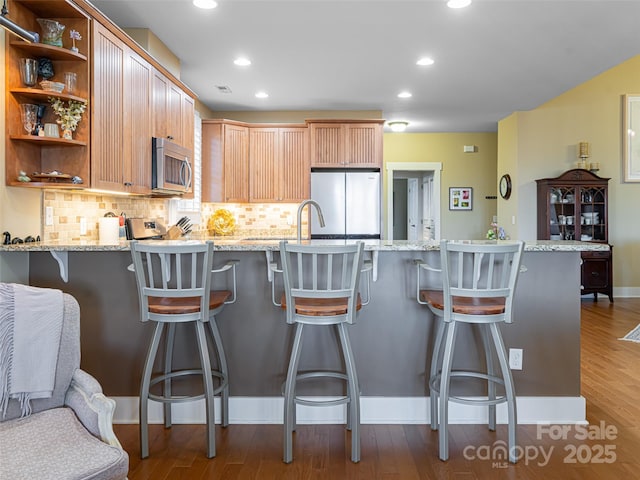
{"points": [[593, 212], [562, 212]]}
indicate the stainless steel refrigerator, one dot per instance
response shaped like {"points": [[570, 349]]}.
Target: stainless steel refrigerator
{"points": [[350, 202]]}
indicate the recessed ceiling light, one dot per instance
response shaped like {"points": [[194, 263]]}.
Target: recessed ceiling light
{"points": [[398, 126], [425, 61], [262, 95], [404, 95], [458, 3], [206, 4], [242, 62]]}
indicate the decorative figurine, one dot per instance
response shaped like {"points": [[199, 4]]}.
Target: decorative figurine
{"points": [[45, 68], [75, 35], [23, 177]]}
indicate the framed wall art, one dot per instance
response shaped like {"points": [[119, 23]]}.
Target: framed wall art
{"points": [[460, 198], [631, 138]]}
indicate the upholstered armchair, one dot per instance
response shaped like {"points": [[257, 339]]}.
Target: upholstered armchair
{"points": [[70, 434]]}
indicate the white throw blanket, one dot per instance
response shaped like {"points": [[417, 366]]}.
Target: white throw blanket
{"points": [[30, 330]]}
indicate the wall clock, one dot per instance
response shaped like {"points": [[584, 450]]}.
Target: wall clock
{"points": [[505, 186]]}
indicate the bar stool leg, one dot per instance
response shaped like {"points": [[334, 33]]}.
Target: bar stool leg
{"points": [[208, 389], [224, 370], [354, 392], [144, 389], [451, 331], [491, 385], [289, 394], [509, 390], [168, 360], [433, 371]]}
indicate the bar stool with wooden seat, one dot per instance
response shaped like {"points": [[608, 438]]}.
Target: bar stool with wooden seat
{"points": [[478, 280], [321, 289], [174, 287]]}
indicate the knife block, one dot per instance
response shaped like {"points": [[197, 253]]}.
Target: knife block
{"points": [[173, 233]]}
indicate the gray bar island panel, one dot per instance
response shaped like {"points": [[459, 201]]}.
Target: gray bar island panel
{"points": [[391, 340]]}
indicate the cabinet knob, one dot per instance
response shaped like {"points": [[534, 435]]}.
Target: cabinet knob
{"points": [[169, 137], [594, 274], [128, 184]]}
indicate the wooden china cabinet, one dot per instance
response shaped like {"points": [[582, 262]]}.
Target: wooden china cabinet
{"points": [[574, 206]]}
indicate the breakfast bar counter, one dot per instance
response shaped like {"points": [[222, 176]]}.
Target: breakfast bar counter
{"points": [[391, 340]]}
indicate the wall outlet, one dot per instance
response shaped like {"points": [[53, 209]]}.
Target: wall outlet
{"points": [[515, 358], [48, 216], [83, 225]]}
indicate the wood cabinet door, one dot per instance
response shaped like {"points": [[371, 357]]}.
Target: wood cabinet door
{"points": [[160, 101], [107, 110], [188, 118], [327, 144], [174, 108], [264, 165], [363, 145], [294, 164], [137, 123], [236, 163], [212, 161]]}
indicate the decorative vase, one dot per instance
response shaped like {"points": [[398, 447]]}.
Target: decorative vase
{"points": [[51, 31], [67, 134]]}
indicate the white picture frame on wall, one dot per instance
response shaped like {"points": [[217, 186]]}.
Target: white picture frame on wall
{"points": [[460, 198], [631, 137]]}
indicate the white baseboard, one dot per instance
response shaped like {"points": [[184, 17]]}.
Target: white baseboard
{"points": [[626, 292], [374, 410]]}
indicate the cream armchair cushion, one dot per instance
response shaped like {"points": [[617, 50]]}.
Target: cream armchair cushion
{"points": [[68, 436]]}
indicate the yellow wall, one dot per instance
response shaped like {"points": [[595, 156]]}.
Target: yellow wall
{"points": [[154, 46], [547, 139], [459, 169], [508, 164]]}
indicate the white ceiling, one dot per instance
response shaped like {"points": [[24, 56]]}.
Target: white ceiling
{"points": [[491, 59]]}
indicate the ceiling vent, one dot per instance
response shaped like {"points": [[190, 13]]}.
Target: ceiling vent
{"points": [[223, 89]]}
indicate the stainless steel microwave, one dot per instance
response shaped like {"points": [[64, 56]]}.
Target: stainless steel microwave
{"points": [[171, 167]]}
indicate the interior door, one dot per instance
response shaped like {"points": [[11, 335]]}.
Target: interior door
{"points": [[413, 217]]}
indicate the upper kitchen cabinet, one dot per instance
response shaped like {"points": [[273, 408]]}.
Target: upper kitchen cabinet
{"points": [[121, 116], [225, 161], [48, 161], [346, 143], [278, 164], [111, 147], [173, 111]]}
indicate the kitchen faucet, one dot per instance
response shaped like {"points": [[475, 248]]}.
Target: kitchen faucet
{"points": [[301, 207]]}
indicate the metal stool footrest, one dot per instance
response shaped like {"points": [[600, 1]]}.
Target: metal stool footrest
{"points": [[183, 373], [321, 403], [434, 384]]}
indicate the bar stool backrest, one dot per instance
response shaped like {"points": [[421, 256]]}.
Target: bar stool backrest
{"points": [[173, 273], [486, 274], [326, 273]]}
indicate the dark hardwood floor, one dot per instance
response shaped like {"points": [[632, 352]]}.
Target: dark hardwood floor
{"points": [[610, 384]]}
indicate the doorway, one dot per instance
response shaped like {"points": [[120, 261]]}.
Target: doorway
{"points": [[413, 201]]}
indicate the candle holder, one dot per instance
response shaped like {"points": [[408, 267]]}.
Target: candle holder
{"points": [[583, 154]]}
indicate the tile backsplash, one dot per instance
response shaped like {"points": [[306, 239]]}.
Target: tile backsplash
{"points": [[252, 219]]}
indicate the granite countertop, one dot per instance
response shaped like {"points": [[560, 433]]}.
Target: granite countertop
{"points": [[253, 244]]}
